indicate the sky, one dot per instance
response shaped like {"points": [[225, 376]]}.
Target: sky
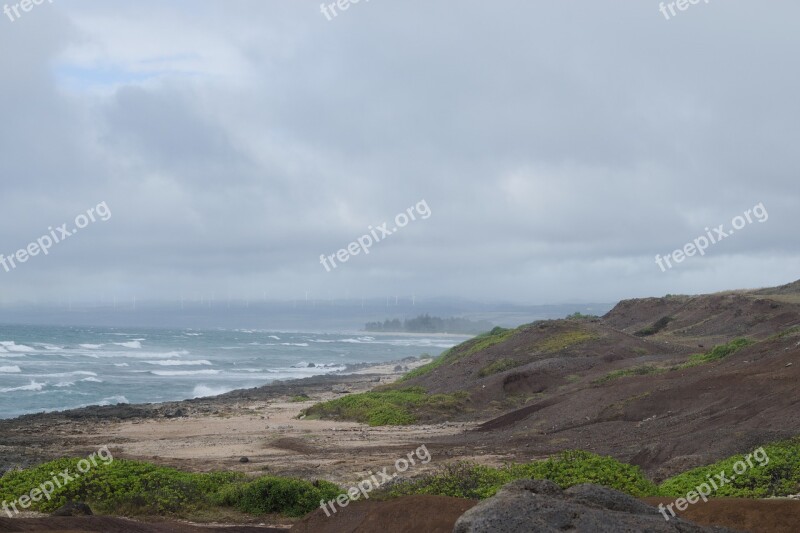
{"points": [[548, 151]]}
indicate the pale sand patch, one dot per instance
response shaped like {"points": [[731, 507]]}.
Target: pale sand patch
{"points": [[274, 440]]}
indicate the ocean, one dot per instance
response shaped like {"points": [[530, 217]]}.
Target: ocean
{"points": [[46, 368]]}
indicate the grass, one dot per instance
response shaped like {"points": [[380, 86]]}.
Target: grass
{"points": [[398, 407], [465, 349], [300, 398], [717, 353], [794, 330], [643, 370], [501, 365], [562, 341], [131, 488], [486, 340]]}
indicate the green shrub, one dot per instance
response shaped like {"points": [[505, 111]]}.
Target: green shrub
{"points": [[290, 497], [659, 325], [466, 480], [126, 487], [579, 316], [135, 488], [778, 477]]}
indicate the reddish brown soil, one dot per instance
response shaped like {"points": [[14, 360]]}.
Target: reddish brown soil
{"points": [[105, 524], [428, 514], [755, 516], [665, 422]]}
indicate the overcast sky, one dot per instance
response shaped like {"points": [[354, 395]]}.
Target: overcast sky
{"points": [[559, 146]]}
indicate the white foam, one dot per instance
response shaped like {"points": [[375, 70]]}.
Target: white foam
{"points": [[173, 362], [91, 346], [33, 386], [11, 346], [132, 344], [275, 337], [49, 347], [203, 391], [184, 372], [69, 374], [113, 400], [143, 355], [92, 380], [121, 364], [10, 369], [294, 344]]}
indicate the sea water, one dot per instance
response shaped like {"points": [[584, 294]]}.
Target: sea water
{"points": [[56, 368]]}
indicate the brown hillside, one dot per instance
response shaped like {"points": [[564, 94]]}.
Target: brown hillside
{"points": [[552, 390]]}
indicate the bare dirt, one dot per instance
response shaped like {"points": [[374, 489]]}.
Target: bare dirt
{"points": [[755, 516]]}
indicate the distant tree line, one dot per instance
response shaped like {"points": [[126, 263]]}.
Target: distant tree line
{"points": [[430, 324]]}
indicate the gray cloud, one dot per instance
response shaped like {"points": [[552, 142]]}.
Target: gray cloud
{"points": [[560, 147]]}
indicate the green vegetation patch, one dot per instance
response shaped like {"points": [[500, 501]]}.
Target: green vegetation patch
{"points": [[654, 328], [269, 495], [132, 488], [643, 370], [467, 480], [564, 340], [775, 471], [386, 407], [717, 353], [465, 349], [580, 316], [501, 365], [486, 340], [791, 332]]}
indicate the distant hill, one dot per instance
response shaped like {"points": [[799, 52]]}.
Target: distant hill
{"points": [[430, 324]]}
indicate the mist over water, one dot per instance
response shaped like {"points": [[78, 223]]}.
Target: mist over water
{"points": [[45, 368]]}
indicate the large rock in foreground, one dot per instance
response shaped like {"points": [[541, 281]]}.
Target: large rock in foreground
{"points": [[531, 505]]}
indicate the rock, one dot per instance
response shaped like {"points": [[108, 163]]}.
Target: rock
{"points": [[244, 459], [73, 509], [398, 368], [541, 506]]}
